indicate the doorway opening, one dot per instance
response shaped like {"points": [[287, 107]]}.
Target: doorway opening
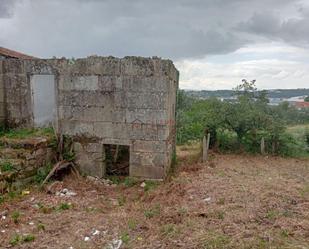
{"points": [[43, 99], [117, 159]]}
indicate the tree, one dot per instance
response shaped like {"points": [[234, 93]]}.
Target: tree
{"points": [[307, 99], [248, 114]]}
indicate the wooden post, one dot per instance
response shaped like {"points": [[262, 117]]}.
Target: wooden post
{"points": [[263, 146], [206, 147]]}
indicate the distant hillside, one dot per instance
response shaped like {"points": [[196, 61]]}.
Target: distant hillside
{"points": [[275, 93]]}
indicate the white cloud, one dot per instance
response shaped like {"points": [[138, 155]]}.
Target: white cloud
{"points": [[279, 70]]}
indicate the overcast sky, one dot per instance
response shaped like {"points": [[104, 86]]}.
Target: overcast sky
{"points": [[213, 43]]}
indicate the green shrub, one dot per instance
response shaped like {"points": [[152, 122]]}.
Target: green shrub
{"points": [[130, 181], [42, 173], [6, 166], [15, 217]]}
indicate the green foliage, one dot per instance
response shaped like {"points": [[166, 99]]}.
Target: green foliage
{"points": [[150, 185], [40, 227], [307, 99], [64, 206], [26, 132], [15, 217], [6, 166], [15, 239], [168, 230], [115, 179], [132, 224], [42, 173], [307, 136], [125, 237], [130, 181], [68, 152], [240, 124], [28, 238], [215, 240]]}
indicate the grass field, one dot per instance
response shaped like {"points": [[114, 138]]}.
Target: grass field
{"points": [[233, 201], [298, 130]]}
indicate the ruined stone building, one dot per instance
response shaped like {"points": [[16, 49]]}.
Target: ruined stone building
{"points": [[120, 113]]}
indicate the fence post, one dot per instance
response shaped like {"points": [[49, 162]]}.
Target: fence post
{"points": [[206, 147], [262, 146]]}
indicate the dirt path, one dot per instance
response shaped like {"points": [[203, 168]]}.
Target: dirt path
{"points": [[234, 201]]}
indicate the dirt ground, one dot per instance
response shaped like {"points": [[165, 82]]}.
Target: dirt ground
{"points": [[233, 201]]}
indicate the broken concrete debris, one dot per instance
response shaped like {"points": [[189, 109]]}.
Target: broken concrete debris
{"points": [[65, 193], [114, 244]]}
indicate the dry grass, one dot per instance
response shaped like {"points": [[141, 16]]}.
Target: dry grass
{"points": [[233, 201]]}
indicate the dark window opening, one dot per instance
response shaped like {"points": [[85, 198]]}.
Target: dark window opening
{"points": [[117, 159]]}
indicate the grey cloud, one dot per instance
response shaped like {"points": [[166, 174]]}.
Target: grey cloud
{"points": [[6, 8], [175, 28], [271, 25]]}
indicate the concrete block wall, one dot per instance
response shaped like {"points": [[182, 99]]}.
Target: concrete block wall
{"points": [[125, 101], [2, 101], [104, 100]]}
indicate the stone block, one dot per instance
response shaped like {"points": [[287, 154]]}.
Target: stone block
{"points": [[126, 142], [89, 83], [120, 100], [13, 66], [137, 66], [138, 131], [147, 172], [145, 100], [103, 129], [148, 146], [120, 131], [96, 114], [107, 83], [70, 98], [146, 116], [89, 163], [75, 128], [93, 147], [148, 158], [145, 84]]}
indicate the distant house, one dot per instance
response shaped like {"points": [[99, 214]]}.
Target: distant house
{"points": [[301, 105], [6, 53]]}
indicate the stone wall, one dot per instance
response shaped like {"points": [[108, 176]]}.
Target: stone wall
{"points": [[17, 88], [21, 159], [2, 102], [105, 100]]}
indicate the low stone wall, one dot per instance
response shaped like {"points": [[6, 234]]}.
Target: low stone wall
{"points": [[21, 159]]}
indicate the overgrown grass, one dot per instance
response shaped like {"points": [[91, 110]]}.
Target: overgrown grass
{"points": [[26, 133], [42, 173], [152, 212], [16, 239], [15, 216]]}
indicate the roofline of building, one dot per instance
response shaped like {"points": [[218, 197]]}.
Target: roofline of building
{"points": [[14, 54]]}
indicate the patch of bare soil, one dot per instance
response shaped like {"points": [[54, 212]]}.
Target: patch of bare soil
{"points": [[233, 201]]}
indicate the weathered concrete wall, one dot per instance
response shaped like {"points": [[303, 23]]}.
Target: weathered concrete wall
{"points": [[2, 101], [105, 100], [128, 101], [17, 93]]}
